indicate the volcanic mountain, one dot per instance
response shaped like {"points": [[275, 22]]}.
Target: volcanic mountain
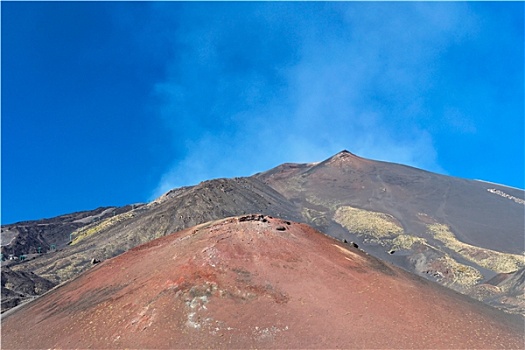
{"points": [[254, 281], [458, 232], [464, 234]]}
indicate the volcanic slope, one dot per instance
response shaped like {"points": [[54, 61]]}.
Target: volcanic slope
{"points": [[103, 237], [254, 282], [46, 235], [458, 232], [476, 210], [30, 240]]}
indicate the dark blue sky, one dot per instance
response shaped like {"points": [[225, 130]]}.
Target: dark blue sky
{"points": [[111, 103]]}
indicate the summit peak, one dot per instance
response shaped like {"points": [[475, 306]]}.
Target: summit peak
{"points": [[344, 154]]}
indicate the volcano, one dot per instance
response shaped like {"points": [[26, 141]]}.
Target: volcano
{"points": [[466, 235], [254, 281]]}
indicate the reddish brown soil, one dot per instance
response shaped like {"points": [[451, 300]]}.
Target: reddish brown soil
{"points": [[256, 283]]}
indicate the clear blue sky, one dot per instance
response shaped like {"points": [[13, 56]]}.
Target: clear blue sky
{"points": [[111, 103]]}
